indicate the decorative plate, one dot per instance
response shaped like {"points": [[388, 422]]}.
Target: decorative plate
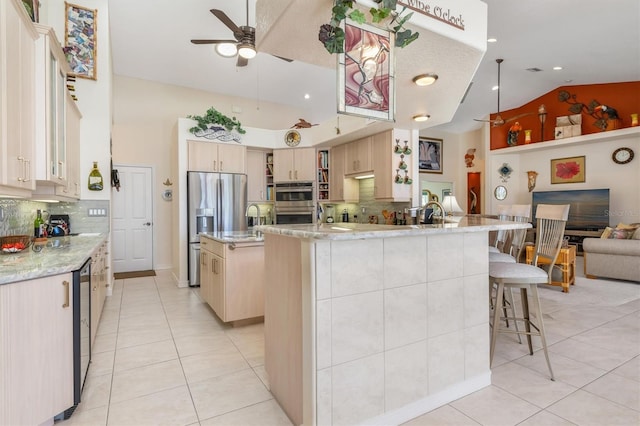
{"points": [[292, 138]]}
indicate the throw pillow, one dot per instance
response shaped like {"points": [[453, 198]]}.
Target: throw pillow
{"points": [[636, 235], [620, 234], [606, 233]]}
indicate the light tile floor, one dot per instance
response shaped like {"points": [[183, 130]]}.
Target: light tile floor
{"points": [[161, 357]]}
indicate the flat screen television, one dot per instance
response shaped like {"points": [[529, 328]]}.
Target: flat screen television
{"points": [[589, 209]]}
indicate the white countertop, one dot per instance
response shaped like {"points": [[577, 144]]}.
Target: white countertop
{"points": [[58, 256], [353, 231]]}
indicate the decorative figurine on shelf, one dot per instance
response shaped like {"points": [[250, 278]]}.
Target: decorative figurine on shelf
{"points": [[469, 156], [527, 136], [512, 134]]}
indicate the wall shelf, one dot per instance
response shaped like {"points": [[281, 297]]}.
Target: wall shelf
{"points": [[557, 143]]}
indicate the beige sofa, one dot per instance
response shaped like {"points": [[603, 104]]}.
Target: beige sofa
{"points": [[612, 258]]}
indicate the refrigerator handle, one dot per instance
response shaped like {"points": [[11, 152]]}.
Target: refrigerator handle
{"points": [[219, 199]]}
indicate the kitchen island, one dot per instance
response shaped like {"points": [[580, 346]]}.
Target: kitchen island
{"points": [[374, 324]]}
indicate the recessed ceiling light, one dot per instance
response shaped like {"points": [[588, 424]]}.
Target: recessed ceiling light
{"points": [[306, 96], [495, 87], [425, 79], [226, 49], [557, 68], [568, 81], [492, 40], [421, 117]]}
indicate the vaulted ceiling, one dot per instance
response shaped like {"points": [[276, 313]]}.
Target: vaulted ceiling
{"points": [[593, 42]]}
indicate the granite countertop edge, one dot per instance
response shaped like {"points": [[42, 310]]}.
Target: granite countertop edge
{"points": [[59, 255], [228, 237], [351, 231]]}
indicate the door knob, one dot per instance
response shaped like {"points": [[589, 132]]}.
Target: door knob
{"points": [[147, 224]]}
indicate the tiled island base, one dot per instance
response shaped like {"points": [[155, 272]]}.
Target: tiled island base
{"points": [[375, 330]]}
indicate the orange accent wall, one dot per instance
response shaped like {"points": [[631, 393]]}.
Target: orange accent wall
{"points": [[623, 97]]}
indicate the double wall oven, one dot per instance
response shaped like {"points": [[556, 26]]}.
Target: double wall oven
{"points": [[295, 203]]}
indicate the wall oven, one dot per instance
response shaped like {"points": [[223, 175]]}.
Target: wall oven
{"points": [[295, 203]]}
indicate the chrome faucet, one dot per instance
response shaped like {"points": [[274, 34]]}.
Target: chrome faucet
{"points": [[246, 212], [428, 203]]}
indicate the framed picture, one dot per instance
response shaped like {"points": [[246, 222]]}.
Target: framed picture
{"points": [[430, 155], [33, 9], [80, 40], [568, 170], [366, 73]]}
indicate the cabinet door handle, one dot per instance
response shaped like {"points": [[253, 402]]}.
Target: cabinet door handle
{"points": [[221, 167], [296, 175], [215, 266], [289, 174], [261, 195], [214, 165], [27, 170], [66, 299]]}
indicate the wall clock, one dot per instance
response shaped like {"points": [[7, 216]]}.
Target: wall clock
{"points": [[292, 138], [622, 155]]}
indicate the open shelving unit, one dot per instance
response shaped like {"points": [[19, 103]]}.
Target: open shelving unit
{"points": [[270, 189], [323, 175]]}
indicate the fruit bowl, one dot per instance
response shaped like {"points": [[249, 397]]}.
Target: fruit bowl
{"points": [[14, 243]]}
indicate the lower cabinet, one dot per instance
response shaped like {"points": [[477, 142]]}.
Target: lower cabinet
{"points": [[232, 278], [99, 283], [36, 349]]}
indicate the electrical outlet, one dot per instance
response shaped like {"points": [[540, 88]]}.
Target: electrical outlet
{"points": [[97, 212]]}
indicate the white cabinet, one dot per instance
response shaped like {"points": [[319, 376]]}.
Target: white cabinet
{"points": [[358, 157], [386, 165], [259, 178], [36, 349], [17, 125], [341, 189], [73, 187], [296, 164], [233, 282], [215, 157], [51, 71]]}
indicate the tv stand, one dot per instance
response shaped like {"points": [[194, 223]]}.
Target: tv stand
{"points": [[576, 236]]}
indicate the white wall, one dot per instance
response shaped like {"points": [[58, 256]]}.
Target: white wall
{"points": [[600, 172]]}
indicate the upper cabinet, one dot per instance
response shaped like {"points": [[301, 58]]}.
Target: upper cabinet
{"points": [[358, 157], [259, 176], [17, 53], [51, 71], [341, 189], [216, 157], [392, 170], [295, 164]]}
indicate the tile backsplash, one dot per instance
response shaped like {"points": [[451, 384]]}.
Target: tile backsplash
{"points": [[17, 216]]}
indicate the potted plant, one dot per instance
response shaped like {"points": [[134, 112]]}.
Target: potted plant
{"points": [[331, 35], [215, 125]]}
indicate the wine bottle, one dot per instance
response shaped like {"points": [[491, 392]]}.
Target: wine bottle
{"points": [[38, 225], [95, 178]]}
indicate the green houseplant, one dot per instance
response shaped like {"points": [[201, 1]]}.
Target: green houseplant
{"points": [[331, 35], [213, 116]]}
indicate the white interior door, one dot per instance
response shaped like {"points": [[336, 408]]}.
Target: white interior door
{"points": [[132, 215]]}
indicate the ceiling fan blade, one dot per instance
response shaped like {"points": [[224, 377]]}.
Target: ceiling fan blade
{"points": [[515, 117], [284, 59], [483, 121], [237, 32], [242, 62], [212, 41]]}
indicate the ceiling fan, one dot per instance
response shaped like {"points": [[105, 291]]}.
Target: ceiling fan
{"points": [[499, 121], [244, 44]]}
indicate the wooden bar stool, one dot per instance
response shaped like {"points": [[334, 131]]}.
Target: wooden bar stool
{"points": [[551, 221]]}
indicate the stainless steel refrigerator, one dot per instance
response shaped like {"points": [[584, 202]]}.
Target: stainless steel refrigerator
{"points": [[215, 202]]}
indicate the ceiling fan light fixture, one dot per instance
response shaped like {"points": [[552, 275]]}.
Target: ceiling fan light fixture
{"points": [[226, 50], [247, 51], [421, 117], [425, 79]]}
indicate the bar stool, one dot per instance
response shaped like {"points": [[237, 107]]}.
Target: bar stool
{"points": [[551, 221], [514, 241], [498, 244]]}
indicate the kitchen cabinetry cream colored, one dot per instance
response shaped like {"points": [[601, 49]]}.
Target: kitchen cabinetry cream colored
{"points": [[358, 156], [99, 283], [296, 164], [73, 116], [216, 157], [233, 285], [341, 189], [17, 125], [36, 349], [257, 176], [385, 166], [51, 69]]}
